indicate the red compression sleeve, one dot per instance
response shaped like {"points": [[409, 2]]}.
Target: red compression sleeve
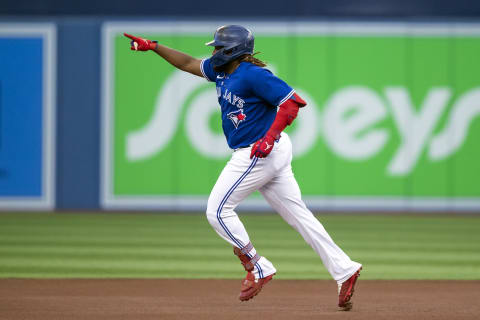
{"points": [[286, 114]]}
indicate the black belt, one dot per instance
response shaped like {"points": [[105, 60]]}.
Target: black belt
{"points": [[276, 140], [243, 147]]}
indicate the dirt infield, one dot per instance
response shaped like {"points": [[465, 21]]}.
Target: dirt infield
{"points": [[217, 299]]}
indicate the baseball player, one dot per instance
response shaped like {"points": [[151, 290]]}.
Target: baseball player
{"points": [[256, 107]]}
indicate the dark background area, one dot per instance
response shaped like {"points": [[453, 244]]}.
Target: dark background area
{"points": [[267, 8]]}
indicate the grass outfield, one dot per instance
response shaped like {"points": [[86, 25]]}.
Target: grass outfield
{"points": [[54, 245]]}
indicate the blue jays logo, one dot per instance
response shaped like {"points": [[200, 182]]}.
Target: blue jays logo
{"points": [[237, 117]]}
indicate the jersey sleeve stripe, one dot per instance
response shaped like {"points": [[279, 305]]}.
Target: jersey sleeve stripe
{"points": [[286, 97], [203, 71]]}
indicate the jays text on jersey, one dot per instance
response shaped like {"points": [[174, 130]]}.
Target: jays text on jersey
{"points": [[249, 98]]}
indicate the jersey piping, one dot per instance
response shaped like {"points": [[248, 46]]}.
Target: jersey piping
{"points": [[203, 71], [286, 97]]}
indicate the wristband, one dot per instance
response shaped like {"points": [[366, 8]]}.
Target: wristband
{"points": [[154, 45]]}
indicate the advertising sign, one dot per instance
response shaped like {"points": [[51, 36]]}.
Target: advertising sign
{"points": [[392, 120], [27, 88]]}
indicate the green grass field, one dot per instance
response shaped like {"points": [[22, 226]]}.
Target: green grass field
{"points": [[110, 245]]}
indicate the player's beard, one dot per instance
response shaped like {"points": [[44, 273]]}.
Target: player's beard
{"points": [[220, 69], [224, 67]]}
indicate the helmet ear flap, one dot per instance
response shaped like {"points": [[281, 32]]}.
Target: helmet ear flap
{"points": [[229, 52]]}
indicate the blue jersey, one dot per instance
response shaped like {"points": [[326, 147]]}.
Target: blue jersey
{"points": [[248, 98]]}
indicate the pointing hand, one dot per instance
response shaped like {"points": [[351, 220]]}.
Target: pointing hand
{"points": [[140, 44]]}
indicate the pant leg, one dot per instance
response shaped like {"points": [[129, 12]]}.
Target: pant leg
{"points": [[240, 177], [283, 194]]}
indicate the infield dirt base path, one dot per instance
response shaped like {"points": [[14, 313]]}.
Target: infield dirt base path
{"points": [[217, 299]]}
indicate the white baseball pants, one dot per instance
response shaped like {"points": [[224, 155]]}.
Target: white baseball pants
{"points": [[274, 178]]}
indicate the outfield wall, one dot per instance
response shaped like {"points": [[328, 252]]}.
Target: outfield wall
{"points": [[392, 121]]}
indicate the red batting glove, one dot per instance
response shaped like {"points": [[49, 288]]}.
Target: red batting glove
{"points": [[140, 44], [286, 114], [262, 147]]}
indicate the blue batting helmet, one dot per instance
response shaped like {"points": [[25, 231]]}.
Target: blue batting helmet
{"points": [[235, 41]]}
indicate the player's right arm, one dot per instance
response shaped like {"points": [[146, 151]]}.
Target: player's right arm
{"points": [[176, 58]]}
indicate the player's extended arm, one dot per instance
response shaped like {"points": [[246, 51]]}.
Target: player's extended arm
{"points": [[287, 112], [176, 58]]}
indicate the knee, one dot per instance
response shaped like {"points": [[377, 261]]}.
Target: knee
{"points": [[211, 217], [216, 212], [211, 212]]}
